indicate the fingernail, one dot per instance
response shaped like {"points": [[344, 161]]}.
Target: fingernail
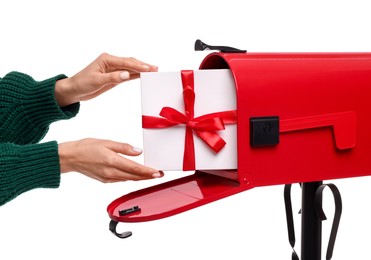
{"points": [[124, 75], [145, 67], [157, 175], [154, 68], [137, 150]]}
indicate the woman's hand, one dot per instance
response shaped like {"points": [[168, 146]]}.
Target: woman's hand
{"points": [[103, 160], [102, 74]]}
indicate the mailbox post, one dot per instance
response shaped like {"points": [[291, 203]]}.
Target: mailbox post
{"points": [[311, 228]]}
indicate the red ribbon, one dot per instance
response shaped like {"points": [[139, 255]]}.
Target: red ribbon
{"points": [[204, 126]]}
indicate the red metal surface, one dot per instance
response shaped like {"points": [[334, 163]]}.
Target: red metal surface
{"points": [[299, 85], [322, 101], [343, 125], [173, 197]]}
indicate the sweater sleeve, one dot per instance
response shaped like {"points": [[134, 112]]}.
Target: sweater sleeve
{"points": [[28, 107], [26, 167]]}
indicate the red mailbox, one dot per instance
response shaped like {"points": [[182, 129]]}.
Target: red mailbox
{"points": [[301, 117]]}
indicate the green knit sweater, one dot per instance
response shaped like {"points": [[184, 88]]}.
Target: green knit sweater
{"points": [[27, 108]]}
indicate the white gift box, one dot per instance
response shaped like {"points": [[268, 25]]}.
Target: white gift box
{"points": [[163, 148]]}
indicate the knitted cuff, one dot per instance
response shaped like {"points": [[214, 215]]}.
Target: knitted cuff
{"points": [[26, 167], [45, 110], [37, 98], [28, 107]]}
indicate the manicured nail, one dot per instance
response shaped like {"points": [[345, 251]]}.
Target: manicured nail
{"points": [[124, 75], [137, 150], [145, 67], [157, 175]]}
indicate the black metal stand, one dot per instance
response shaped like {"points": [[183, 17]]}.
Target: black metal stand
{"points": [[312, 216], [311, 227]]}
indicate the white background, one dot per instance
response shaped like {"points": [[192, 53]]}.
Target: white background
{"points": [[45, 38]]}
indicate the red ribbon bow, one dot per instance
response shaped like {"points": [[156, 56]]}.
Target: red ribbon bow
{"points": [[204, 126]]}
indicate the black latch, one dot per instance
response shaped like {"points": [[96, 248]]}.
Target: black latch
{"points": [[264, 131], [201, 46], [129, 210], [113, 223]]}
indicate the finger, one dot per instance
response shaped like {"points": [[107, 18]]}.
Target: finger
{"points": [[133, 167], [115, 77], [123, 148], [128, 176], [127, 165], [135, 170], [152, 68], [118, 77], [117, 175], [113, 62], [107, 81], [134, 75], [129, 75]]}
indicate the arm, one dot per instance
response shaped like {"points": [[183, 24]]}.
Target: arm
{"points": [[28, 107], [26, 167]]}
